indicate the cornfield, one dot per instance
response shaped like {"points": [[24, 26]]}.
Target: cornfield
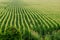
{"points": [[24, 22]]}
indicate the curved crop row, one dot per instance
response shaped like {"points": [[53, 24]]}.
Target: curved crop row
{"points": [[27, 21]]}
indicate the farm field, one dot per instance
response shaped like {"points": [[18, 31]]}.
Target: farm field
{"points": [[32, 21]]}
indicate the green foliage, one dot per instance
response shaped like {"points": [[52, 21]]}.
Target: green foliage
{"points": [[10, 34], [56, 35]]}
